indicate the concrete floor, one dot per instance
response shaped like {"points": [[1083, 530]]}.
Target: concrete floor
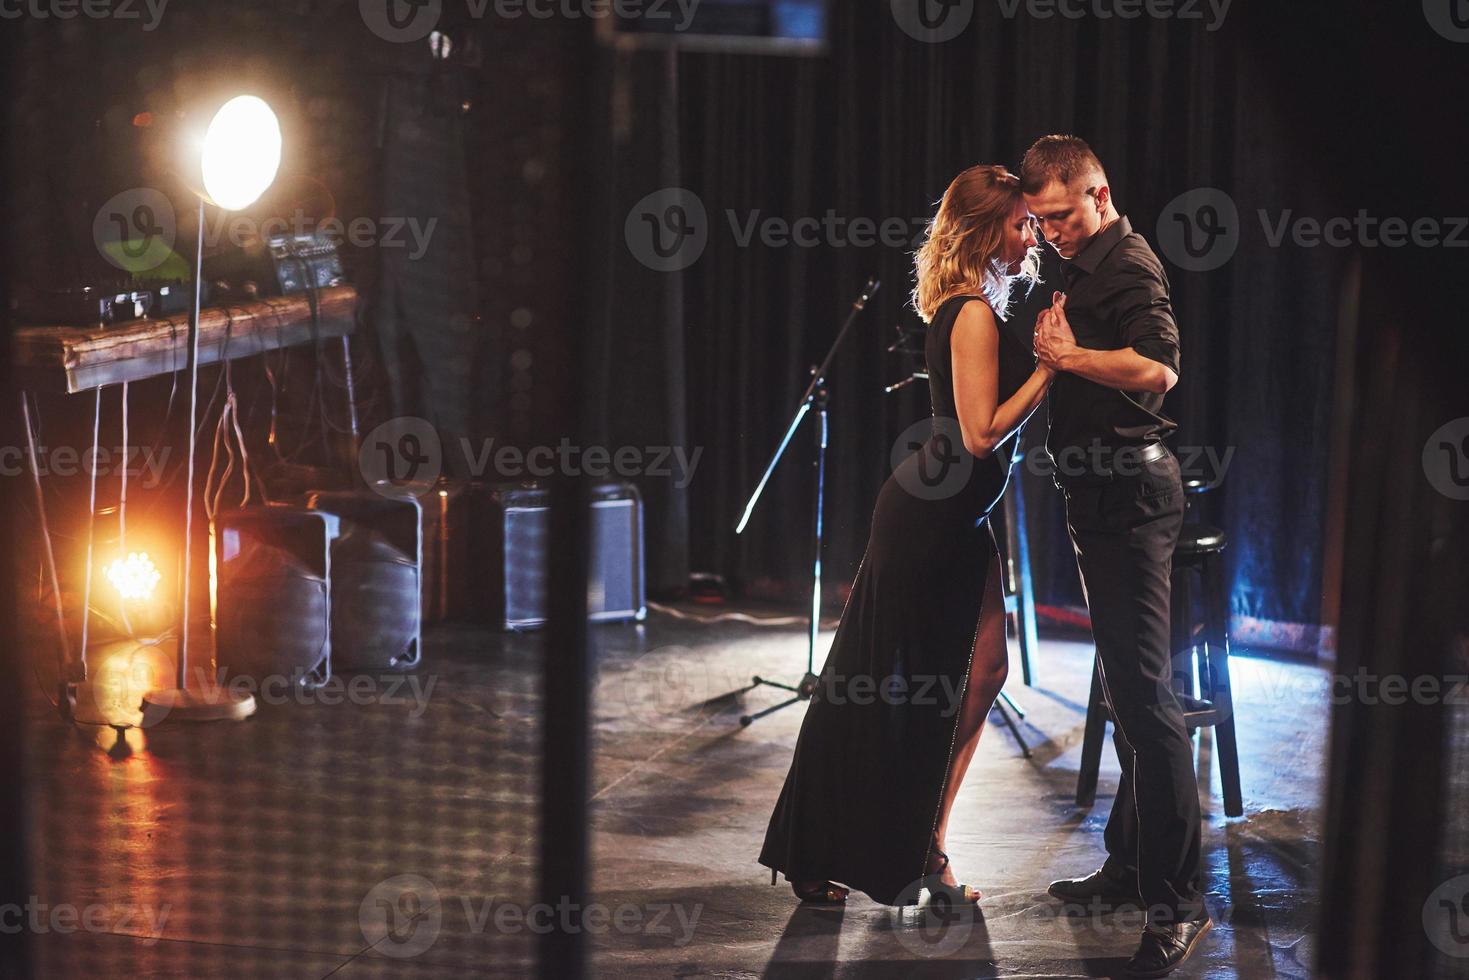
{"points": [[391, 833]]}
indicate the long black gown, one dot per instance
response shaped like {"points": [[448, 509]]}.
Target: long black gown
{"points": [[861, 800]]}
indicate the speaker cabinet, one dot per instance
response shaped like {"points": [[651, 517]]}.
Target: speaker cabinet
{"points": [[517, 516], [377, 562], [273, 596]]}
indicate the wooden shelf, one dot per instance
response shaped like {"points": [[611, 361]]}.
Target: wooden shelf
{"points": [[73, 359]]}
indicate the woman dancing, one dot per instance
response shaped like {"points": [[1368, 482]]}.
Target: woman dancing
{"points": [[919, 656]]}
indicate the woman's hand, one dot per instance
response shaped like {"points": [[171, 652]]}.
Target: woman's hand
{"points": [[1054, 341]]}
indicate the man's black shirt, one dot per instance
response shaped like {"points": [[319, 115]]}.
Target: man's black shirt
{"points": [[1116, 297]]}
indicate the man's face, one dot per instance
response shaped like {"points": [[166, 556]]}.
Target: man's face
{"points": [[1069, 216]]}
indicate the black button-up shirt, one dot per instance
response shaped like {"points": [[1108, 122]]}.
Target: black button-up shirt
{"points": [[1116, 297]]}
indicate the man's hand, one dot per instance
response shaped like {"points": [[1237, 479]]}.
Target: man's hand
{"points": [[1054, 341]]}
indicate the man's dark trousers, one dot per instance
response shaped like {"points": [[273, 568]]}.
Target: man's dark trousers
{"points": [[1124, 529]]}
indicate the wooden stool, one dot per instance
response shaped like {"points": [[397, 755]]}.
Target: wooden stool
{"points": [[1205, 641]]}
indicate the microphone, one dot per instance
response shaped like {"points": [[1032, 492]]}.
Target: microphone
{"points": [[867, 293]]}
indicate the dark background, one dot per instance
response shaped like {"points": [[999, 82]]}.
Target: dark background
{"points": [[877, 130], [713, 358]]}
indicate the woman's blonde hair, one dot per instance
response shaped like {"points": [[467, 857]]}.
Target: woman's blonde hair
{"points": [[962, 252]]}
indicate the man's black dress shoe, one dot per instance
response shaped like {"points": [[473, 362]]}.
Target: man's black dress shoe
{"points": [[1097, 889], [1164, 948]]}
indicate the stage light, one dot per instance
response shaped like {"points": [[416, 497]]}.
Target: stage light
{"points": [[241, 153], [236, 161], [134, 577]]}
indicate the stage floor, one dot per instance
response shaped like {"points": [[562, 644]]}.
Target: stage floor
{"points": [[389, 830]]}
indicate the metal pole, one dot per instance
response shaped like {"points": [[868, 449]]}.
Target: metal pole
{"points": [[193, 370], [821, 442], [351, 397], [63, 653]]}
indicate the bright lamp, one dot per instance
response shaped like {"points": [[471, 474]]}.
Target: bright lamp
{"points": [[242, 152], [238, 160]]}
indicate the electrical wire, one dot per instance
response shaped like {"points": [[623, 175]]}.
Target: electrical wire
{"points": [[735, 617]]}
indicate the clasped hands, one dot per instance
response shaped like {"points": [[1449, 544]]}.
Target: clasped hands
{"points": [[1054, 340]]}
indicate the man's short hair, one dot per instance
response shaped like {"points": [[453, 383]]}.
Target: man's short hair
{"points": [[1060, 158]]}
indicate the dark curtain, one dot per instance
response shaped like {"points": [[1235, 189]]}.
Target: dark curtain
{"points": [[1395, 850], [875, 130]]}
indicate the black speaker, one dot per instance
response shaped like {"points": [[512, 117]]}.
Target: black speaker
{"points": [[273, 595], [377, 562], [515, 545]]}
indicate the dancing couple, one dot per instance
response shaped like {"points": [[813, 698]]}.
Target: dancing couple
{"points": [[867, 801]]}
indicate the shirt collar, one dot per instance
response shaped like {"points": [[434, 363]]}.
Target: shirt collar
{"points": [[1101, 245]]}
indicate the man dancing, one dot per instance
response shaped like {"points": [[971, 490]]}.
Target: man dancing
{"points": [[1113, 340]]}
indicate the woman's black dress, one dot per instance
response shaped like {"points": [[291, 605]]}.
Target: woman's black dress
{"points": [[861, 800]]}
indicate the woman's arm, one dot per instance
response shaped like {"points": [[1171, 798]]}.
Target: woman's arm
{"points": [[974, 349], [1125, 369]]}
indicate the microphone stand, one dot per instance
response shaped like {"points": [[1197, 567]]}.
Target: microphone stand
{"points": [[816, 397]]}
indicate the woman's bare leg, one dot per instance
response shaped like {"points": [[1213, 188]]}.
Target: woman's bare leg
{"points": [[987, 671]]}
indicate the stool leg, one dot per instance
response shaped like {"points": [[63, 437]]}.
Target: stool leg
{"points": [[1220, 692], [1091, 742], [1181, 628]]}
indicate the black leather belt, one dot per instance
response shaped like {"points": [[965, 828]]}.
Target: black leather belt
{"points": [[1093, 468]]}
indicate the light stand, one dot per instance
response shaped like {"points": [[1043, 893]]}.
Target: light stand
{"points": [[238, 161], [817, 396]]}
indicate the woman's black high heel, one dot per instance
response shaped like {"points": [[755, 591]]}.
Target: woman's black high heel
{"points": [[825, 893], [934, 882]]}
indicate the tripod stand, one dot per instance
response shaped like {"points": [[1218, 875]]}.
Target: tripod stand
{"points": [[817, 396]]}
